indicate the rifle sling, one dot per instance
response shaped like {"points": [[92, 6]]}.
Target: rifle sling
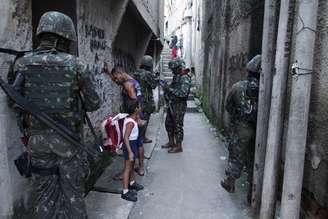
{"points": [[45, 118], [13, 52]]}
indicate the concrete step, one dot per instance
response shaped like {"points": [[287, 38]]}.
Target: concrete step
{"points": [[166, 61], [168, 78], [166, 57]]}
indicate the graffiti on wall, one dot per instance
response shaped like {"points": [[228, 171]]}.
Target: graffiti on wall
{"points": [[97, 37], [123, 59], [238, 62]]}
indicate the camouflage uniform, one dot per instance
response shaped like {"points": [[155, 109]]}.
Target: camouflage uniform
{"points": [[242, 106], [52, 80], [177, 95], [243, 112], [148, 81]]}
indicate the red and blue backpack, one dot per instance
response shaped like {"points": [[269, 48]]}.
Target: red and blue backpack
{"points": [[112, 132]]}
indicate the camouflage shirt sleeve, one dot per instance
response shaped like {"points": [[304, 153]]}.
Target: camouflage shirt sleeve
{"points": [[182, 87], [86, 85], [151, 80], [146, 77]]}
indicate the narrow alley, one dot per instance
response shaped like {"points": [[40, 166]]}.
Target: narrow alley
{"points": [[186, 185]]}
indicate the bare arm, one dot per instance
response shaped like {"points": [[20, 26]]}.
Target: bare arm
{"points": [[130, 90]]}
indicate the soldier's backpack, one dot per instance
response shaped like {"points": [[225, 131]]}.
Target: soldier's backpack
{"points": [[112, 132]]}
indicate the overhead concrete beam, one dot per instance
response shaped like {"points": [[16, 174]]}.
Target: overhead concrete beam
{"points": [[117, 12], [147, 16]]}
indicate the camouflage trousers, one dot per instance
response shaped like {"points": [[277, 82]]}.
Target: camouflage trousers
{"points": [[241, 150], [174, 120], [61, 195]]}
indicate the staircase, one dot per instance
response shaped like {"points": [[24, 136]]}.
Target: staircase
{"points": [[166, 57], [166, 75]]}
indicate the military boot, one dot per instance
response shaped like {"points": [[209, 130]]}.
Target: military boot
{"points": [[229, 184], [176, 149], [170, 144]]}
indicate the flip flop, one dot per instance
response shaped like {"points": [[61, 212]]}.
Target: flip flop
{"points": [[137, 171], [147, 141]]}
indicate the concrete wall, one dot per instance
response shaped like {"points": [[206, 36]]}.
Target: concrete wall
{"points": [[186, 22], [93, 15], [198, 43], [232, 33], [316, 175], [174, 16], [15, 24], [108, 31]]}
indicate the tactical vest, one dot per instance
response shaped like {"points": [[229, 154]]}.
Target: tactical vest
{"points": [[146, 90], [177, 82], [51, 83]]}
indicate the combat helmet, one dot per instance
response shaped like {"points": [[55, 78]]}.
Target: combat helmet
{"points": [[255, 64], [57, 23], [147, 61], [176, 65]]}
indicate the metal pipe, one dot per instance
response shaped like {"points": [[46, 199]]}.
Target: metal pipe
{"points": [[299, 108], [268, 51], [279, 89]]}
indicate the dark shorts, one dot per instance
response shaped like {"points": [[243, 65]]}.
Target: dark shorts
{"points": [[140, 141], [134, 147]]}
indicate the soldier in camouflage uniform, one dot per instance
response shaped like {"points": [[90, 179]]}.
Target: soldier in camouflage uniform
{"points": [[148, 81], [176, 95], [51, 79], [241, 105]]}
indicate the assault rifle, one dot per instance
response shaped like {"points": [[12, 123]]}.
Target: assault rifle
{"points": [[13, 52], [22, 163], [60, 129]]}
